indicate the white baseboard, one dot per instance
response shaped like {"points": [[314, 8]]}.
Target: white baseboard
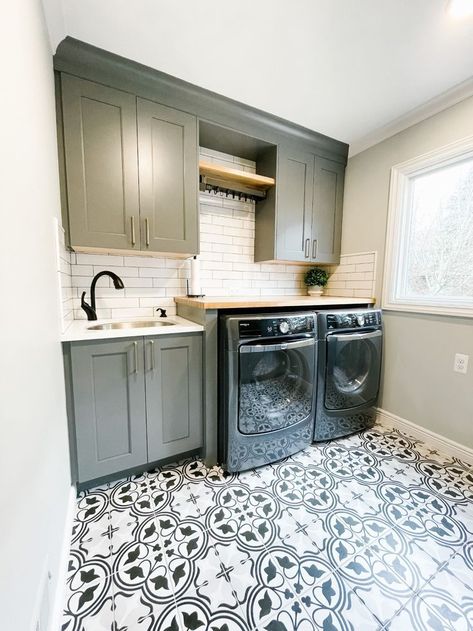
{"points": [[57, 603], [443, 444]]}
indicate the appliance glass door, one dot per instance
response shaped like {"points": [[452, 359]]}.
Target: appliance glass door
{"points": [[353, 369], [276, 385]]}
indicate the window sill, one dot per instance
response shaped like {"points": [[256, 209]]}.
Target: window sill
{"points": [[459, 312]]}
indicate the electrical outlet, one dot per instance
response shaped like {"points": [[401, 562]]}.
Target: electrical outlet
{"points": [[461, 363]]}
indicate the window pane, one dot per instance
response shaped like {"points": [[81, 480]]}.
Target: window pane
{"points": [[438, 254]]}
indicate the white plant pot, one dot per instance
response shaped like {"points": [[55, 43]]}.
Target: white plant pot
{"points": [[315, 290]]}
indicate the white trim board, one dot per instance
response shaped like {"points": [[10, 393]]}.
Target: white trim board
{"points": [[443, 101], [443, 444], [57, 603]]}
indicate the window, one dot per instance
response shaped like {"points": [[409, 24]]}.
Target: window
{"points": [[429, 255]]}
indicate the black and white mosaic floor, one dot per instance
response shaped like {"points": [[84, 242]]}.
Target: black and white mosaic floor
{"points": [[370, 532]]}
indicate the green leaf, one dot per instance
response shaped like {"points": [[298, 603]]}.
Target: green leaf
{"points": [[187, 531], [313, 571], [160, 582], [165, 523], [150, 530], [356, 567], [91, 500], [285, 562], [249, 536], [226, 528], [87, 595], [276, 625], [327, 590], [270, 571], [191, 620], [173, 626], [133, 555], [224, 627], [192, 545], [260, 498], [86, 577], [144, 504], [219, 515], [178, 573], [328, 625], [263, 529], [264, 605], [135, 572], [267, 509], [90, 511], [239, 493]]}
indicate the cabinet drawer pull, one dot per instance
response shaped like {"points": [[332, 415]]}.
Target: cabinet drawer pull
{"points": [[147, 231], [133, 235], [307, 248], [151, 346], [135, 357], [314, 249]]}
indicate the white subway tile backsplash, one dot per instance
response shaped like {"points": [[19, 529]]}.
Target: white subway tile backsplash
{"points": [[227, 229]]}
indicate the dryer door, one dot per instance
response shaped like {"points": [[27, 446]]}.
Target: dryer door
{"points": [[353, 369]]}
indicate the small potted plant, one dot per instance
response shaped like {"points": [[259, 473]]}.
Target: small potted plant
{"points": [[315, 279]]}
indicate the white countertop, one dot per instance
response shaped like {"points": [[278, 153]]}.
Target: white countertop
{"points": [[78, 329]]}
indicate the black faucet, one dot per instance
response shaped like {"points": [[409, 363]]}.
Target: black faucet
{"points": [[90, 309], [162, 312]]}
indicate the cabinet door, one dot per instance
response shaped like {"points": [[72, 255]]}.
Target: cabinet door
{"points": [[168, 155], [101, 164], [109, 406], [294, 205], [173, 395], [327, 213]]}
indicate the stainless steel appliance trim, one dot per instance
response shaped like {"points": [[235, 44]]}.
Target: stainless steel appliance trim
{"points": [[284, 346], [356, 336]]}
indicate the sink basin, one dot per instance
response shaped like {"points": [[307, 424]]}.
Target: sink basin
{"points": [[129, 325]]}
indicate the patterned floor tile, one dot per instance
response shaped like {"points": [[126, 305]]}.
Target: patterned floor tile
{"points": [[372, 531]]}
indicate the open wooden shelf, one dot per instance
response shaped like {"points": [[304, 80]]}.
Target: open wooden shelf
{"points": [[234, 175]]}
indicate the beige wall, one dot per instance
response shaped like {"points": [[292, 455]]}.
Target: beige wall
{"points": [[34, 463], [418, 383]]}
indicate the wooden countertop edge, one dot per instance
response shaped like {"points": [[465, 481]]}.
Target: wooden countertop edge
{"points": [[280, 301]]}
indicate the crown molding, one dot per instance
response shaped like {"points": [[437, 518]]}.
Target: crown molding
{"points": [[443, 101]]}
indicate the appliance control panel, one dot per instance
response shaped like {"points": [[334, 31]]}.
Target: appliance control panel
{"points": [[353, 320], [277, 327]]}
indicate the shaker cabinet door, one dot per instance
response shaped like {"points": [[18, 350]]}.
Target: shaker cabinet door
{"points": [[173, 395], [327, 211], [168, 173], [101, 165], [109, 406], [294, 205]]}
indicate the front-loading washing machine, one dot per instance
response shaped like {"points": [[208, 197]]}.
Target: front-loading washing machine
{"points": [[349, 371], [266, 387]]}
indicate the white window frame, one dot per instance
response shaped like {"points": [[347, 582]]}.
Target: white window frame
{"points": [[398, 213]]}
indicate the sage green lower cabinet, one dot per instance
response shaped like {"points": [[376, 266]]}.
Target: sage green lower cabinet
{"points": [[173, 395], [134, 401], [109, 406]]}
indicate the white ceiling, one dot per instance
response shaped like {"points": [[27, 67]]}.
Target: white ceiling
{"points": [[346, 68]]}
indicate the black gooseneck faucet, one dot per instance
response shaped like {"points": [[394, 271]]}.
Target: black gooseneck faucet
{"points": [[90, 309]]}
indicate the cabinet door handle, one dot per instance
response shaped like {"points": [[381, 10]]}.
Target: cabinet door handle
{"points": [[314, 249], [135, 357], [151, 346], [147, 231], [133, 235], [307, 248]]}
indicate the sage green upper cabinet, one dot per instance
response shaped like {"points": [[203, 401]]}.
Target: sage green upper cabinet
{"points": [[294, 205], [327, 211], [131, 168], [168, 174], [100, 164]]}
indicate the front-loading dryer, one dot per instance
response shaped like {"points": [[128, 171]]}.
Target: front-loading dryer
{"points": [[349, 370], [266, 387]]}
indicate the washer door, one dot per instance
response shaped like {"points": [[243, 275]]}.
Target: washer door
{"points": [[353, 369], [276, 385]]}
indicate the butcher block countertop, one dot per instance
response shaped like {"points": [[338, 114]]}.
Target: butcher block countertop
{"points": [[250, 302]]}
